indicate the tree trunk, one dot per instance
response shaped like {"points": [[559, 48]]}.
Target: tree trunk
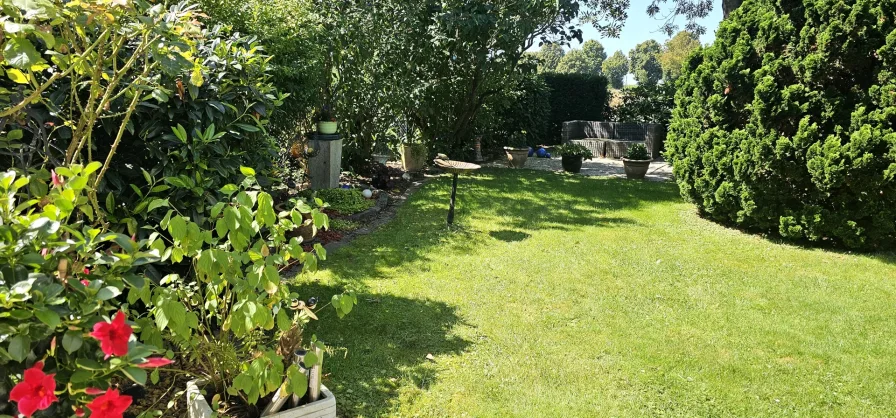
{"points": [[729, 6]]}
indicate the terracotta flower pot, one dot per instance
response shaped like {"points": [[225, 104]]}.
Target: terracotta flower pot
{"points": [[635, 169], [516, 157]]}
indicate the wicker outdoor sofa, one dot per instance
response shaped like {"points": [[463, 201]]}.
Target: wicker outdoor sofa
{"points": [[613, 139]]}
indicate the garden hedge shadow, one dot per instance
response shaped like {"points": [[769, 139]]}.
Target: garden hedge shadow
{"points": [[575, 97]]}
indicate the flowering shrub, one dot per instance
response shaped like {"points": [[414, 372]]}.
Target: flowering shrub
{"points": [[64, 334]]}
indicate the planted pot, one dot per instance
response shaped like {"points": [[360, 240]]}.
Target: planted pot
{"points": [[327, 128], [572, 163], [380, 158], [413, 157], [635, 169], [516, 157], [324, 407]]}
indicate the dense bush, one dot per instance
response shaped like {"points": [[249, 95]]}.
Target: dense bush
{"points": [[575, 97], [647, 103], [786, 123], [523, 110], [196, 136]]}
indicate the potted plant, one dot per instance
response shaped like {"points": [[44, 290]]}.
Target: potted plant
{"points": [[241, 338], [572, 156], [413, 157], [326, 121], [636, 161], [517, 150]]}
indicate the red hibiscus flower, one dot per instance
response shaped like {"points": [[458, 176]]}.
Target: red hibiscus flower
{"points": [[35, 392], [154, 362], [79, 412], [110, 405], [113, 336]]}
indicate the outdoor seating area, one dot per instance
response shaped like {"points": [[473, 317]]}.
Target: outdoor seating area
{"points": [[613, 139]]}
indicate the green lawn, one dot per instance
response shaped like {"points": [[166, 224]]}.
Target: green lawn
{"points": [[561, 295]]}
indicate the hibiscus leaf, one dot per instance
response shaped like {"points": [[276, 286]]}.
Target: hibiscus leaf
{"points": [[19, 347], [135, 374]]}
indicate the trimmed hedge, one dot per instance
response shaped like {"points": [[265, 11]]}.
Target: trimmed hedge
{"points": [[787, 123], [575, 97]]}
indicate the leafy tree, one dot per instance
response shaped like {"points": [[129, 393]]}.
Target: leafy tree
{"points": [[676, 52], [596, 55], [615, 69], [549, 56], [574, 62], [587, 60], [645, 63], [785, 124]]}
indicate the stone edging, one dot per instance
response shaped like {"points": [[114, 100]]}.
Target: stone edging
{"points": [[383, 212]]}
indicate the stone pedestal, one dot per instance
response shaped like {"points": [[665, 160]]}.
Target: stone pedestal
{"points": [[325, 166]]}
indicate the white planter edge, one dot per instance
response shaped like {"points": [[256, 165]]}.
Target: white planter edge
{"points": [[325, 407]]}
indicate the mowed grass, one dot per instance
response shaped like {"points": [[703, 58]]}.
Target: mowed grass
{"points": [[560, 295]]}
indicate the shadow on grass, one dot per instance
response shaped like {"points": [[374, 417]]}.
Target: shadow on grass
{"points": [[389, 337], [512, 200], [507, 235], [381, 345]]}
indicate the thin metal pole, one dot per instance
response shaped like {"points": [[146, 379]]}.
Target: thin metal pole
{"points": [[453, 194]]}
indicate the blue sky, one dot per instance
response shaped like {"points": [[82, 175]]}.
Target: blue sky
{"points": [[639, 27]]}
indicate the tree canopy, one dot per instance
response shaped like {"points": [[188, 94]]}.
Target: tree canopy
{"points": [[675, 52], [645, 63], [615, 69]]}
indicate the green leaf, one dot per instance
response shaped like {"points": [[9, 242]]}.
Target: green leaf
{"points": [[19, 346], [283, 321], [92, 167], [17, 76], [20, 53], [136, 374], [310, 359], [247, 171], [81, 376], [48, 317], [177, 226], [157, 203], [107, 293], [72, 341], [154, 376], [89, 364], [297, 381], [14, 135], [247, 128]]}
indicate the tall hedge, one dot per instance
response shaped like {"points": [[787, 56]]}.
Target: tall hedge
{"points": [[787, 123], [575, 97]]}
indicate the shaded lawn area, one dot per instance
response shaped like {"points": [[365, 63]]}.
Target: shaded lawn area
{"points": [[561, 295]]}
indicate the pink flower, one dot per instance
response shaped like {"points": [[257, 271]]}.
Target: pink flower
{"points": [[94, 391], [113, 336], [154, 362], [110, 405], [35, 391], [85, 282], [86, 270], [57, 180], [79, 412]]}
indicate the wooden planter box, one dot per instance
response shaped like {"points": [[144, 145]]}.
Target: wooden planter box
{"points": [[325, 407]]}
